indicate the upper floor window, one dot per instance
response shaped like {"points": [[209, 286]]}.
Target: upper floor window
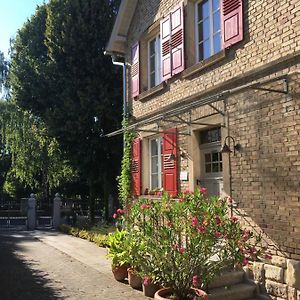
{"points": [[208, 30], [154, 58]]}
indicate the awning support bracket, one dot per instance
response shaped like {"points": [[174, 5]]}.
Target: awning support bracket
{"points": [[217, 110], [285, 89]]}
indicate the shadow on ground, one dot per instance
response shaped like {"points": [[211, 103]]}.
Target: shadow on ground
{"points": [[17, 279]]}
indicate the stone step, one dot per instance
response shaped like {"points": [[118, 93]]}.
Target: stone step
{"points": [[228, 279], [240, 291]]}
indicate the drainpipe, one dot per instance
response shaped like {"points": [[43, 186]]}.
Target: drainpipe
{"points": [[123, 65]]}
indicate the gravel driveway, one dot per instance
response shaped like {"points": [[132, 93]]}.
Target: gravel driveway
{"points": [[50, 265]]}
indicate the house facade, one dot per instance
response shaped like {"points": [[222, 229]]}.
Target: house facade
{"points": [[202, 74]]}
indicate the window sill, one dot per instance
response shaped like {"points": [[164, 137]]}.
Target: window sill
{"points": [[204, 64], [151, 92]]}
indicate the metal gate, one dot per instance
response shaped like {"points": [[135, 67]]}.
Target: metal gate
{"points": [[13, 214], [44, 212]]}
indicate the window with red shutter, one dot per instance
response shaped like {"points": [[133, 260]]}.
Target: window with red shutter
{"points": [[165, 34], [170, 161], [172, 43], [135, 70], [136, 167], [177, 40], [231, 22]]}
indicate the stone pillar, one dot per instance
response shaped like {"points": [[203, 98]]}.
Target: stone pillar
{"points": [[56, 211], [31, 212]]}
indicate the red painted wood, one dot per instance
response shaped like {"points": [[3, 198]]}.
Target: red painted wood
{"points": [[170, 161], [136, 167], [231, 22], [135, 70], [165, 35], [177, 39]]}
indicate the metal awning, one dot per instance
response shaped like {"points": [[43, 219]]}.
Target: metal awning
{"points": [[189, 104]]}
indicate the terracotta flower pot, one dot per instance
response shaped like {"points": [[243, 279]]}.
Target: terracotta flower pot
{"points": [[120, 272], [150, 289], [162, 294], [134, 280]]}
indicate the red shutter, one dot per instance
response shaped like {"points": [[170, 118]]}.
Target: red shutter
{"points": [[170, 161], [136, 167], [165, 36], [231, 22], [135, 70], [177, 39]]}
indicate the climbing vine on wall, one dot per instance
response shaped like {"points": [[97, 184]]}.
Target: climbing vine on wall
{"points": [[124, 179]]}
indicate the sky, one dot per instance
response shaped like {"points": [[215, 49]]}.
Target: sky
{"points": [[13, 14]]}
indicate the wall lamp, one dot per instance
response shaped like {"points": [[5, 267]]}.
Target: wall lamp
{"points": [[226, 149]]}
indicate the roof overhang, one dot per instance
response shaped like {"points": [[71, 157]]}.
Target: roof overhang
{"points": [[117, 43]]}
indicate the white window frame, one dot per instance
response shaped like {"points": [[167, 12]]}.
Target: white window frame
{"points": [[210, 26], [159, 154], [157, 61]]}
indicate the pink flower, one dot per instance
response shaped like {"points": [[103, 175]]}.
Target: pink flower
{"points": [[145, 206], [268, 256], [201, 229], [115, 216], [181, 250], [195, 221], [229, 199], [245, 261], [234, 219], [175, 247], [195, 280], [203, 190], [119, 210], [218, 234], [246, 235], [218, 220], [146, 280]]}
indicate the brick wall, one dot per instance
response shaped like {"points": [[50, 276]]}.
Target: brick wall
{"points": [[266, 173]]}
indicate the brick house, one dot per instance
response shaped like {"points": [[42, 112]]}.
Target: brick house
{"points": [[204, 73]]}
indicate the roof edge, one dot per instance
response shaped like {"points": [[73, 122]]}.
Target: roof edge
{"points": [[118, 39]]}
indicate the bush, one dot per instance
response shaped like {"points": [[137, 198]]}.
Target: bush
{"points": [[186, 242], [91, 235]]}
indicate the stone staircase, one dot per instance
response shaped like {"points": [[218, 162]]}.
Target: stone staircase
{"points": [[235, 285]]}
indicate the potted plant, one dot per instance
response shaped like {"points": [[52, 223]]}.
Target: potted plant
{"points": [[187, 242], [118, 252]]}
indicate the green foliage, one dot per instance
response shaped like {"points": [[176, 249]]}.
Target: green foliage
{"points": [[99, 238], [124, 179], [118, 247], [78, 95], [36, 159], [187, 242]]}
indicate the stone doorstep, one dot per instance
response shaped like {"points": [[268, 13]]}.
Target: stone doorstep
{"points": [[240, 291], [228, 279]]}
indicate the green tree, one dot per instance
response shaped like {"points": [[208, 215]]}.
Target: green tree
{"points": [[36, 160], [59, 72]]}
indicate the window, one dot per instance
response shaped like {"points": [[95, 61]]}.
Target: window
{"points": [[213, 162], [210, 145], [154, 62], [208, 30], [156, 163], [210, 135]]}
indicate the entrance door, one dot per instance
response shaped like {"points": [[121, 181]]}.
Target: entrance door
{"points": [[211, 166]]}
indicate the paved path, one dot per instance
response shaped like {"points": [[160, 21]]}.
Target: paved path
{"points": [[49, 265]]}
